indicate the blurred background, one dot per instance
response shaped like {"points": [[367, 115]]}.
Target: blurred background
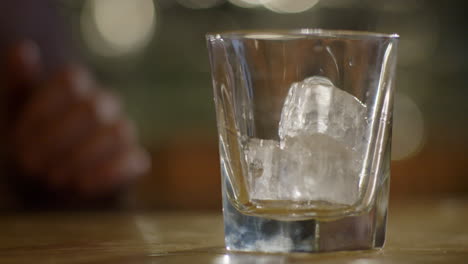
{"points": [[152, 52]]}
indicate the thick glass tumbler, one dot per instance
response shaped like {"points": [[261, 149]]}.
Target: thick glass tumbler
{"points": [[304, 120]]}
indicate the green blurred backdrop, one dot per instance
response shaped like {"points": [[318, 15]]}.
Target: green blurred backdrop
{"points": [[153, 54]]}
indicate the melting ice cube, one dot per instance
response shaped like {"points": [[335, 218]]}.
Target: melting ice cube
{"points": [[315, 105], [320, 153], [262, 157]]}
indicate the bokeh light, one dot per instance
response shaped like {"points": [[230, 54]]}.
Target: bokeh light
{"points": [[247, 3], [408, 128], [286, 6], [199, 4], [118, 27]]}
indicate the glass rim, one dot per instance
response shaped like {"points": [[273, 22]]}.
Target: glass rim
{"points": [[300, 33]]}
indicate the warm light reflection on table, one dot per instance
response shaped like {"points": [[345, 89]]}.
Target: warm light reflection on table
{"points": [[431, 231]]}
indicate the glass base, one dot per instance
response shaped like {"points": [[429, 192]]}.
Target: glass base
{"points": [[252, 233]]}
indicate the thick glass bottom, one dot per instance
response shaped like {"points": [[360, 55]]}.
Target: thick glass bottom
{"points": [[252, 233]]}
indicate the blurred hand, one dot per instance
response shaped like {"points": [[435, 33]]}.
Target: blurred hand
{"points": [[68, 132]]}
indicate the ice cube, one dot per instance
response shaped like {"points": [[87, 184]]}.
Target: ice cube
{"points": [[326, 170], [262, 158], [320, 152], [315, 105], [309, 167]]}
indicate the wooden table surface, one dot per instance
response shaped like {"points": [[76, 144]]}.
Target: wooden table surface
{"points": [[424, 231]]}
